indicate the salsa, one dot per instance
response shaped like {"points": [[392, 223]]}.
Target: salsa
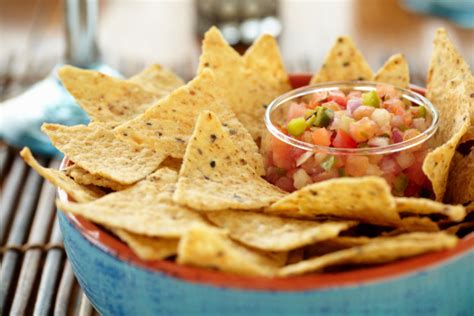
{"points": [[351, 119]]}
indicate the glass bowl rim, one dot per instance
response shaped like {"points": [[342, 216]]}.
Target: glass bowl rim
{"points": [[333, 86]]}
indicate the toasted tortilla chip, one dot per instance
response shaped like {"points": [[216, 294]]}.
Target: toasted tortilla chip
{"points": [[468, 227], [157, 80], [97, 150], [273, 233], [395, 71], [168, 125], [84, 177], [141, 209], [104, 98], [420, 206], [461, 180], [344, 62], [148, 248], [216, 175], [250, 82], [211, 248], [378, 251], [413, 224], [366, 199], [78, 192], [335, 244], [172, 163]]}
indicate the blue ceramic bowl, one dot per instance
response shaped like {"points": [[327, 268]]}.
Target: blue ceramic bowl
{"points": [[118, 283]]}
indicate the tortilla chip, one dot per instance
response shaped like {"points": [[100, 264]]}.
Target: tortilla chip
{"points": [[413, 224], [395, 71], [78, 192], [148, 248], [97, 150], [344, 62], [84, 177], [273, 233], [104, 98], [168, 125], [420, 206], [157, 80], [335, 244], [366, 199], [469, 135], [216, 175], [295, 256], [378, 251], [141, 209], [461, 180], [466, 226], [211, 248], [251, 81], [172, 163]]}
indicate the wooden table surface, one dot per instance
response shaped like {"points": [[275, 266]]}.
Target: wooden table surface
{"points": [[131, 35]]}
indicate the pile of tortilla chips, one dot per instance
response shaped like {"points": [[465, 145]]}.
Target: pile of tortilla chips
{"points": [[174, 169]]}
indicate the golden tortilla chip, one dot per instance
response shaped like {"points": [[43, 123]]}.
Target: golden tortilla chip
{"points": [[335, 244], [157, 80], [420, 206], [395, 71], [148, 248], [273, 233], [413, 224], [211, 248], [461, 180], [84, 177], [78, 192], [216, 175], [344, 62], [168, 125], [97, 150], [104, 98], [172, 163], [469, 135], [251, 81], [140, 209], [366, 199], [378, 251]]}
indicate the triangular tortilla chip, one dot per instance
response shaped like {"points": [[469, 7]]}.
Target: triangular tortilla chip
{"points": [[97, 150], [461, 180], [251, 82], [140, 209], [157, 80], [211, 248], [344, 62], [84, 177], [366, 199], [413, 224], [273, 233], [420, 206], [215, 174], [79, 193], [378, 251], [168, 125], [148, 248], [395, 71]]}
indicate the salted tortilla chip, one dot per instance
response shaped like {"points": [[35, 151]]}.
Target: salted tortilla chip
{"points": [[273, 233], [97, 150], [211, 248], [84, 177], [344, 62], [366, 199], [78, 192], [104, 98], [461, 180], [251, 81], [413, 224], [140, 209], [420, 206], [157, 80], [168, 125], [395, 71], [216, 175], [148, 248], [378, 251]]}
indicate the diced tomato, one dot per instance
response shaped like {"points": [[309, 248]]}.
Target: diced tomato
{"points": [[282, 154], [363, 130], [326, 175], [343, 140], [272, 174], [296, 110], [321, 137], [311, 167], [285, 184], [390, 166], [412, 189], [415, 173], [356, 166], [339, 97], [296, 153]]}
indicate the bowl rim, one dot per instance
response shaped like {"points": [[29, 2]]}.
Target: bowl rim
{"points": [[412, 94], [112, 246]]}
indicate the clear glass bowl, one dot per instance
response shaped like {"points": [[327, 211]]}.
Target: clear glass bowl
{"points": [[292, 163]]}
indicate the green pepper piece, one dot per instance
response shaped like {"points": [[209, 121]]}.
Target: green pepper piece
{"points": [[324, 116], [297, 126], [328, 163], [400, 183], [371, 98], [421, 111]]}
